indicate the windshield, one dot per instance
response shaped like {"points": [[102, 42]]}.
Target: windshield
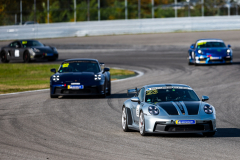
{"points": [[164, 95], [210, 44], [79, 66], [31, 44]]}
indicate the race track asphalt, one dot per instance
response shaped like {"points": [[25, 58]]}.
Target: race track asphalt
{"points": [[33, 126]]}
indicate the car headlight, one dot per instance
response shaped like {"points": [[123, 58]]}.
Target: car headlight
{"points": [[228, 51], [56, 78], [208, 109], [36, 50], [97, 77], [153, 110], [199, 51], [32, 52]]}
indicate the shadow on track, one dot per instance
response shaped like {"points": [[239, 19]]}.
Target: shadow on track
{"points": [[221, 133], [233, 63], [228, 132], [58, 61], [113, 96]]}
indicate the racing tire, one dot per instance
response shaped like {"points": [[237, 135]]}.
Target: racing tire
{"points": [[51, 60], [142, 124], [190, 63], [109, 88], [104, 95], [52, 96], [125, 120], [209, 134], [4, 57], [26, 57]]}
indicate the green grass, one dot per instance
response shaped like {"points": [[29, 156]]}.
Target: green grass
{"points": [[24, 77]]}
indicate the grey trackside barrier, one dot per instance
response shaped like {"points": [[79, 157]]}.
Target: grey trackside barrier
{"points": [[72, 29]]}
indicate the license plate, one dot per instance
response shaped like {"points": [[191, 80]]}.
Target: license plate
{"points": [[185, 122], [75, 86], [215, 57], [48, 54]]}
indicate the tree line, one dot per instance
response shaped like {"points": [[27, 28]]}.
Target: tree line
{"points": [[63, 10]]}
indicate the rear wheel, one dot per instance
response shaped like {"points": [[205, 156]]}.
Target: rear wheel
{"points": [[26, 57], [4, 57], [209, 134], [124, 120]]}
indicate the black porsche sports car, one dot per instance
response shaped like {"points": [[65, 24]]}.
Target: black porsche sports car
{"points": [[80, 77], [28, 50]]}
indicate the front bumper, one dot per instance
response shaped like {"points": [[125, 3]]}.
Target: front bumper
{"points": [[43, 56], [212, 60], [168, 126], [60, 90]]}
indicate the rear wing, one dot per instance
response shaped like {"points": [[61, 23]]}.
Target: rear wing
{"points": [[132, 90]]}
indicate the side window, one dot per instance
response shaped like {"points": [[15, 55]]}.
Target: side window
{"points": [[141, 94], [14, 44]]}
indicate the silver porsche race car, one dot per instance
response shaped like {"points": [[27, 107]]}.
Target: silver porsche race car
{"points": [[168, 109]]}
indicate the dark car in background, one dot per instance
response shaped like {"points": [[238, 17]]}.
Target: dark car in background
{"points": [[28, 50], [80, 77]]}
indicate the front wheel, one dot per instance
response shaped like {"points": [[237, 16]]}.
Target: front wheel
{"points": [[51, 60], [109, 88], [26, 57], [104, 91], [142, 124], [4, 57], [52, 96], [124, 120], [209, 134]]}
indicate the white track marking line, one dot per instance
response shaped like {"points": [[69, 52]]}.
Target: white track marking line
{"points": [[139, 74], [24, 92], [119, 80]]}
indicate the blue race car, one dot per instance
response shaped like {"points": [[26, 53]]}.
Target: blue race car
{"points": [[80, 77], [209, 51]]}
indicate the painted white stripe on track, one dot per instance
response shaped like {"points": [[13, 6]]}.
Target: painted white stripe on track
{"points": [[139, 74]]}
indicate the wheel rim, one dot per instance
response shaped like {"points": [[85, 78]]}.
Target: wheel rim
{"points": [[26, 57], [141, 123], [124, 119]]}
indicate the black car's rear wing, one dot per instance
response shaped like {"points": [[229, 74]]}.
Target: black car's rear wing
{"points": [[132, 90]]}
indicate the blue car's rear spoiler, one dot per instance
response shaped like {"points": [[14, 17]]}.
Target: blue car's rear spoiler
{"points": [[132, 90]]}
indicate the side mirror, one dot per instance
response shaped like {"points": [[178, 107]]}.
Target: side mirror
{"points": [[106, 69], [205, 98], [192, 46], [229, 46], [53, 70], [135, 99]]}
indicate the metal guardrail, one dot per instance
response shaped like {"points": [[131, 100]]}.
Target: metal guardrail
{"points": [[110, 27]]}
